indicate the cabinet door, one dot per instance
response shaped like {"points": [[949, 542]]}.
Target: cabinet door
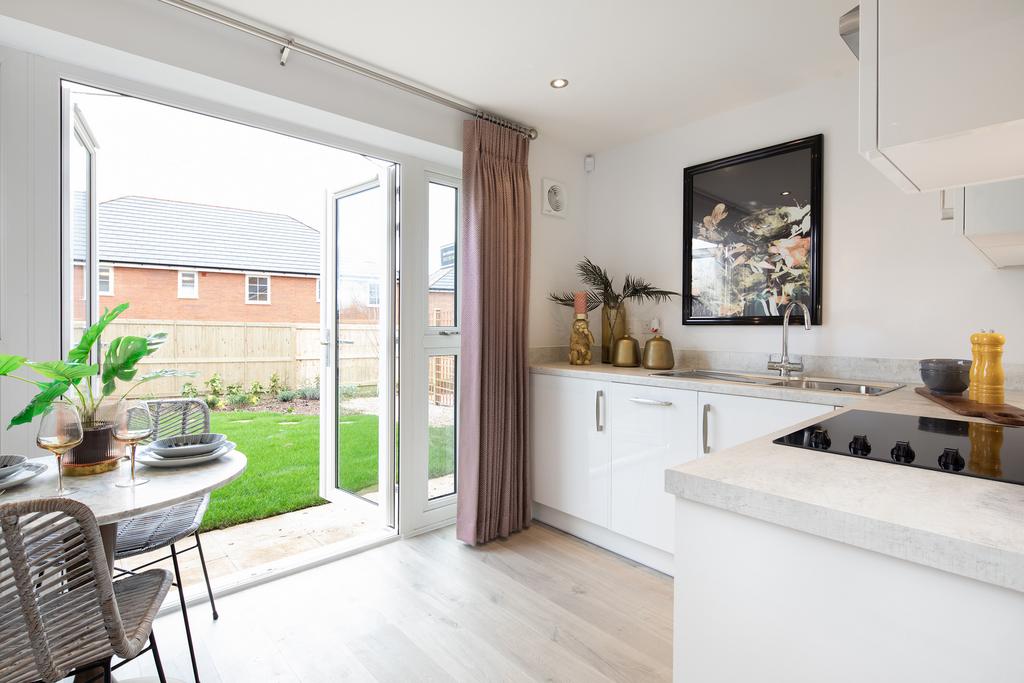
{"points": [[655, 428], [943, 71], [570, 446], [991, 221], [728, 421]]}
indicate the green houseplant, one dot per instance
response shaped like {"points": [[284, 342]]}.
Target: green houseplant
{"points": [[72, 379], [602, 293]]}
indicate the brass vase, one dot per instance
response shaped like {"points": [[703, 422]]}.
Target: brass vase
{"points": [[613, 328], [658, 354]]}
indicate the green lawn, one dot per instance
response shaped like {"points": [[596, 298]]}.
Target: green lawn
{"points": [[283, 453]]}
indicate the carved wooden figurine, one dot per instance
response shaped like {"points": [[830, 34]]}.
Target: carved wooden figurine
{"points": [[580, 341]]}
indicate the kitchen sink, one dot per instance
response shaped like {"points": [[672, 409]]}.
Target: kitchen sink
{"points": [[830, 385]]}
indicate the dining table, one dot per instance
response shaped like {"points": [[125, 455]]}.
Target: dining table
{"points": [[112, 504]]}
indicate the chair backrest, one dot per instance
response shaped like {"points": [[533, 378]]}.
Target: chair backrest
{"points": [[56, 596], [177, 416]]}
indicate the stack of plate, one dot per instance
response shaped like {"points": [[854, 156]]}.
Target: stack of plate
{"points": [[15, 469], [184, 450]]}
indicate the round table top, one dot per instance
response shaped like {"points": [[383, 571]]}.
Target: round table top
{"points": [[110, 503]]}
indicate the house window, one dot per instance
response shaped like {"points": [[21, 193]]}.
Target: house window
{"points": [[106, 281], [318, 290], [188, 284], [373, 294], [257, 289]]}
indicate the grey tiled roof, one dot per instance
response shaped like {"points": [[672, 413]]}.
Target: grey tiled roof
{"points": [[443, 280], [169, 233]]}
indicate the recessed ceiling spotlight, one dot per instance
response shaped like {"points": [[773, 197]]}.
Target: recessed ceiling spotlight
{"points": [[785, 193], [559, 83]]}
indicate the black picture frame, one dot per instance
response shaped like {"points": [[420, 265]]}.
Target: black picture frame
{"points": [[696, 311]]}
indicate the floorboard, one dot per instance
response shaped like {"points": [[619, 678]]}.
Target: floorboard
{"points": [[541, 605]]}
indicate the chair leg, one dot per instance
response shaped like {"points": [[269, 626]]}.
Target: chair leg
{"points": [[206, 575], [184, 613], [107, 677], [156, 658]]}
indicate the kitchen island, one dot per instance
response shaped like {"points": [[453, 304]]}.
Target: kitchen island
{"points": [[795, 565]]}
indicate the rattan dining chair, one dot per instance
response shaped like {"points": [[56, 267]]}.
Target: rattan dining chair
{"points": [[59, 610], [165, 528]]}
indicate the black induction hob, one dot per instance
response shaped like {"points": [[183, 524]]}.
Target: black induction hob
{"points": [[974, 449]]}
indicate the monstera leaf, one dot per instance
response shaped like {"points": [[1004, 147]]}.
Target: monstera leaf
{"points": [[68, 372], [120, 362], [9, 364], [80, 353], [40, 402]]}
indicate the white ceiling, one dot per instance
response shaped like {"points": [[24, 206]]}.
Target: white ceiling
{"points": [[634, 67]]}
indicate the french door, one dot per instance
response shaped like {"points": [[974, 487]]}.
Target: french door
{"points": [[359, 337]]}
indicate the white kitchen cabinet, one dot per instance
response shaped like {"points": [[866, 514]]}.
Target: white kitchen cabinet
{"points": [[939, 102], [571, 446], [728, 421], [655, 428], [990, 218]]}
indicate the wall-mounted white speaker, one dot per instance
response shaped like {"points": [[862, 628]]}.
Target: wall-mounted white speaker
{"points": [[555, 199]]}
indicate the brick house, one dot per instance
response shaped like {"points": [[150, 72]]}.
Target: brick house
{"points": [[182, 261]]}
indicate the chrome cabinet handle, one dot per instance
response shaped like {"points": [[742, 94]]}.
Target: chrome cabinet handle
{"points": [[599, 411], [649, 401], [704, 429]]}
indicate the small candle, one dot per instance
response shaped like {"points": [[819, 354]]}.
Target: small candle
{"points": [[580, 302]]}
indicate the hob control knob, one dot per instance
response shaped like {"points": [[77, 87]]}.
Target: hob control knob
{"points": [[902, 452], [860, 445], [820, 439], [951, 460]]}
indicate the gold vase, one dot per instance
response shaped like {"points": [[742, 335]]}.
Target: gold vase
{"points": [[626, 353], [658, 354], [613, 328]]}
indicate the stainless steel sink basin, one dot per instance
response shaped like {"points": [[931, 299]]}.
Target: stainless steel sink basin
{"points": [[830, 385], [836, 385]]}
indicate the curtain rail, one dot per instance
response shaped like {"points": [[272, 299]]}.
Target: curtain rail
{"points": [[287, 46]]}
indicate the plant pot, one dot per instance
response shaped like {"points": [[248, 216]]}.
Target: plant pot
{"points": [[613, 328], [99, 451]]}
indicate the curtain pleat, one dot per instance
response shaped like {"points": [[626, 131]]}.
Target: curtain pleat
{"points": [[494, 475]]}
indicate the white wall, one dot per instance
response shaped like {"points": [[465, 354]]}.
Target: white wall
{"points": [[557, 242], [898, 283]]}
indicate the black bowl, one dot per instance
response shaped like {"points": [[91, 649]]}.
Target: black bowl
{"points": [[946, 375]]}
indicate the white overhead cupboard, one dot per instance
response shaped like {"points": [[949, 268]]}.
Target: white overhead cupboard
{"points": [[600, 448], [940, 99]]}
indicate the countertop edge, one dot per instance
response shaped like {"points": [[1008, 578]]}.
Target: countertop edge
{"points": [[957, 556]]}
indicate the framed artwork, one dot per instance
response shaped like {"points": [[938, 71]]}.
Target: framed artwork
{"points": [[752, 236]]}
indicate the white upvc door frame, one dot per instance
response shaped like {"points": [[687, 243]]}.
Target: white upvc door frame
{"points": [[31, 309]]}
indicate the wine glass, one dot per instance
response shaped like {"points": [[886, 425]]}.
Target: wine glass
{"points": [[60, 430], [132, 423]]}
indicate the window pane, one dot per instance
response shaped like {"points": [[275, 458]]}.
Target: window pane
{"points": [[104, 281], [442, 255], [441, 426], [259, 288]]}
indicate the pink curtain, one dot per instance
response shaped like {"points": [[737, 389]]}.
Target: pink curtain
{"points": [[494, 476]]}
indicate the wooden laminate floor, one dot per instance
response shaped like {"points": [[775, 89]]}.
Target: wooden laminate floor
{"points": [[540, 606]]}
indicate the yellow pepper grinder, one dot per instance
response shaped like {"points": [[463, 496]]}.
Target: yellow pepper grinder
{"points": [[987, 377]]}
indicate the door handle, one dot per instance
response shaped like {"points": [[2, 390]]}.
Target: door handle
{"points": [[649, 401], [704, 429], [599, 411]]}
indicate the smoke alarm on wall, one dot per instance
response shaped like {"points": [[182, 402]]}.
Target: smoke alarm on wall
{"points": [[555, 200]]}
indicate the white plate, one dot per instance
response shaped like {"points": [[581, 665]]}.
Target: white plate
{"points": [[28, 471], [160, 448], [153, 460]]}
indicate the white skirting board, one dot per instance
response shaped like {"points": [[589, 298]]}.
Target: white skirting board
{"points": [[605, 538]]}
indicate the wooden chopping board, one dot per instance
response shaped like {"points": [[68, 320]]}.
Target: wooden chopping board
{"points": [[1002, 413]]}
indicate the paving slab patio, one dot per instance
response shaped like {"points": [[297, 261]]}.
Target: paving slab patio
{"points": [[246, 546]]}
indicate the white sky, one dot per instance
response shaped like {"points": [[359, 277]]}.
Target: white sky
{"points": [[154, 150]]}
